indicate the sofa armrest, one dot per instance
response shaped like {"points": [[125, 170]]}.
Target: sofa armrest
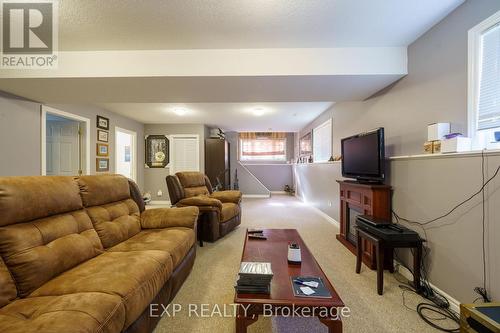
{"points": [[201, 201], [159, 218], [227, 196]]}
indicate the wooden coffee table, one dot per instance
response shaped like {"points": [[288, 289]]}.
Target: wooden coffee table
{"points": [[282, 300]]}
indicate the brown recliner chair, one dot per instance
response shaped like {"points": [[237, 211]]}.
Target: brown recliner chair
{"points": [[220, 212]]}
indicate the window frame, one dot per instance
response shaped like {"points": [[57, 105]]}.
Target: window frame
{"points": [[240, 152], [314, 140], [473, 81]]}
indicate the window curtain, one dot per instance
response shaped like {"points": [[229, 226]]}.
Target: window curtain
{"points": [[254, 144]]}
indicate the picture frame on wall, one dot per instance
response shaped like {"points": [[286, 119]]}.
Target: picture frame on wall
{"points": [[102, 165], [102, 149], [102, 136], [157, 151], [305, 145], [102, 123]]}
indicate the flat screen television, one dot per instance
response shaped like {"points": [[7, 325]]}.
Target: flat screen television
{"points": [[363, 156]]}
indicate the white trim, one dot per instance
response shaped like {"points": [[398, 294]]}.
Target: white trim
{"points": [[475, 153], [324, 215], [159, 202], [43, 135], [401, 269], [473, 63], [256, 195], [278, 192], [134, 152], [171, 138]]}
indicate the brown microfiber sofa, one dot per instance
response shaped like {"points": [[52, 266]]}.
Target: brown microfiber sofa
{"points": [[81, 255], [220, 212]]}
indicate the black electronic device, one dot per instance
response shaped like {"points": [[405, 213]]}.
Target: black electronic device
{"points": [[389, 232], [373, 221], [363, 156]]}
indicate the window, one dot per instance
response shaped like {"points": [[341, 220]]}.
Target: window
{"points": [[322, 142], [262, 146], [125, 153], [484, 82], [185, 154]]}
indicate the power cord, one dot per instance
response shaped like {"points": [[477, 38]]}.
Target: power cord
{"points": [[440, 305]]}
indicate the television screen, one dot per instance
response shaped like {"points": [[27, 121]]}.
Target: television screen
{"points": [[363, 156]]}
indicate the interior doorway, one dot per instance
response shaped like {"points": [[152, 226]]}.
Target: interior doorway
{"points": [[126, 153], [65, 143]]}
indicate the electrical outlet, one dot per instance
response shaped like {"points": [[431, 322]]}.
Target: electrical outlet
{"points": [[329, 203], [160, 193]]}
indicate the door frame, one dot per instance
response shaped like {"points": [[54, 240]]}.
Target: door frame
{"points": [[171, 151], [43, 130], [134, 150]]}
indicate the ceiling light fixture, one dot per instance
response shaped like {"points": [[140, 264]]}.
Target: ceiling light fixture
{"points": [[258, 112], [180, 111]]}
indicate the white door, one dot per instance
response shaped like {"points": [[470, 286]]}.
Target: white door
{"points": [[184, 152], [63, 148], [125, 142]]}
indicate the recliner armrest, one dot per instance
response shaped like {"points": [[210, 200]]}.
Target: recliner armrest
{"points": [[230, 196], [201, 201], [159, 218]]}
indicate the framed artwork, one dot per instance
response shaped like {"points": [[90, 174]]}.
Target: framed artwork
{"points": [[102, 123], [102, 136], [157, 151], [102, 165], [102, 149], [305, 145]]}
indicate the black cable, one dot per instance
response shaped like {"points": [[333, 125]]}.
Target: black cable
{"points": [[448, 314], [440, 303], [454, 208]]}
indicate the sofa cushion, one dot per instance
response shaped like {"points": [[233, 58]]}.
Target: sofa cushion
{"points": [[84, 312], [229, 210], [191, 179], [39, 250], [135, 276], [194, 191], [103, 189], [177, 241], [115, 222], [25, 199], [8, 290]]}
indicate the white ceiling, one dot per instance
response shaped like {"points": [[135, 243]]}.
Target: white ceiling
{"points": [[223, 57], [228, 116], [221, 24]]}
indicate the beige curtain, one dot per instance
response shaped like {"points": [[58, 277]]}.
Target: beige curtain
{"points": [[262, 135]]}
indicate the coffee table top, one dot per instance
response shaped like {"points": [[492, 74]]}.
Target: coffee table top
{"points": [[275, 251]]}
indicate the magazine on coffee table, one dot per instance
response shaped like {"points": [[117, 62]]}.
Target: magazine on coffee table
{"points": [[309, 286]]}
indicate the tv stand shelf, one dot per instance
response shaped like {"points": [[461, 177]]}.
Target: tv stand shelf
{"points": [[363, 199]]}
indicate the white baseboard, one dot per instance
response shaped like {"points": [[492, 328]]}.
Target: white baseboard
{"points": [[454, 304], [256, 195], [325, 216], [278, 192], [159, 202]]}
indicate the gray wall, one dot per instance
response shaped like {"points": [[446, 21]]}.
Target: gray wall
{"points": [[115, 120], [19, 137], [434, 90], [273, 176], [248, 184], [154, 178], [20, 123]]}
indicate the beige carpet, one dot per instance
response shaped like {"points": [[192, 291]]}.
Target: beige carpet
{"points": [[216, 266]]}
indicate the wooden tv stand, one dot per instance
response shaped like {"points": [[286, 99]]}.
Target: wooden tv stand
{"points": [[363, 199]]}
